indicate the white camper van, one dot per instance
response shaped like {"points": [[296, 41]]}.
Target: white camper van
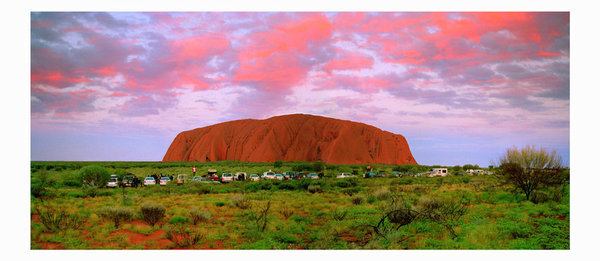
{"points": [[438, 172]]}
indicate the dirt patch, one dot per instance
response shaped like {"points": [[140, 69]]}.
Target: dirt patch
{"points": [[217, 244], [51, 245], [35, 218], [141, 239], [137, 222]]}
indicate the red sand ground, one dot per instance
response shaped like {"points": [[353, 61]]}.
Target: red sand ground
{"points": [[296, 137], [141, 239]]}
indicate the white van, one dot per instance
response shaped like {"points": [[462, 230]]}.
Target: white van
{"points": [[438, 172]]}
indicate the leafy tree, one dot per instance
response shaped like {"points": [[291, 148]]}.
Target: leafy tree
{"points": [[404, 168], [318, 166], [456, 168], [278, 164], [120, 173], [93, 175], [530, 168]]}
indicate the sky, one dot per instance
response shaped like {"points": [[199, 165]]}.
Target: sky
{"points": [[461, 87]]}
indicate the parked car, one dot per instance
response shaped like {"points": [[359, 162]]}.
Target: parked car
{"points": [[149, 181], [268, 175], [181, 179], [254, 177], [128, 181], [226, 177], [289, 174], [112, 183], [312, 176], [396, 174], [164, 181], [240, 176], [212, 174], [198, 179], [345, 175], [279, 176]]}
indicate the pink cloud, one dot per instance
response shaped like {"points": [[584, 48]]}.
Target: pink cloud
{"points": [[349, 61]]}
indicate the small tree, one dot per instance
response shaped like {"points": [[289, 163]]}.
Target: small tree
{"points": [[529, 168], [468, 166], [116, 214], [318, 166], [152, 212], [94, 176], [278, 164]]}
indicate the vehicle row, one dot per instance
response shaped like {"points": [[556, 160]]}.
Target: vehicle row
{"points": [[226, 177]]}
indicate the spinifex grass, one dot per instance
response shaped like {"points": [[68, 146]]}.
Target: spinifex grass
{"points": [[496, 218]]}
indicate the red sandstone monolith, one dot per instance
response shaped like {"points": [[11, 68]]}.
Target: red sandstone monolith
{"points": [[296, 137]]}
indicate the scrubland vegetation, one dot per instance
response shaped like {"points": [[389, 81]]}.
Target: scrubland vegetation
{"points": [[452, 212]]}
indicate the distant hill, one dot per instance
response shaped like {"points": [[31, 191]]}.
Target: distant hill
{"points": [[295, 137]]}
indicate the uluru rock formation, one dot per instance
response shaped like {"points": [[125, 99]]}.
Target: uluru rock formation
{"points": [[296, 137]]}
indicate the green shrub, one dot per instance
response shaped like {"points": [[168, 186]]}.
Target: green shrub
{"points": [[551, 233], [71, 183], [266, 184], [539, 197], [465, 179], [314, 188], [220, 204], [178, 220], [357, 199], [278, 164], [514, 229], [94, 176], [371, 199], [76, 194], [89, 191], [152, 212], [202, 189], [343, 183], [116, 214], [303, 183], [351, 191], [287, 186], [251, 187], [339, 215], [285, 237], [405, 180], [199, 215]]}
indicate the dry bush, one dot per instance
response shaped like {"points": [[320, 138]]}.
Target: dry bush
{"points": [[199, 215], [260, 216], [116, 214], [182, 236], [152, 212], [382, 194], [286, 212], [339, 215], [358, 199], [55, 219], [447, 213], [241, 201], [314, 188]]}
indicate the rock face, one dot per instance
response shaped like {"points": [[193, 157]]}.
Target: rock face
{"points": [[296, 137]]}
